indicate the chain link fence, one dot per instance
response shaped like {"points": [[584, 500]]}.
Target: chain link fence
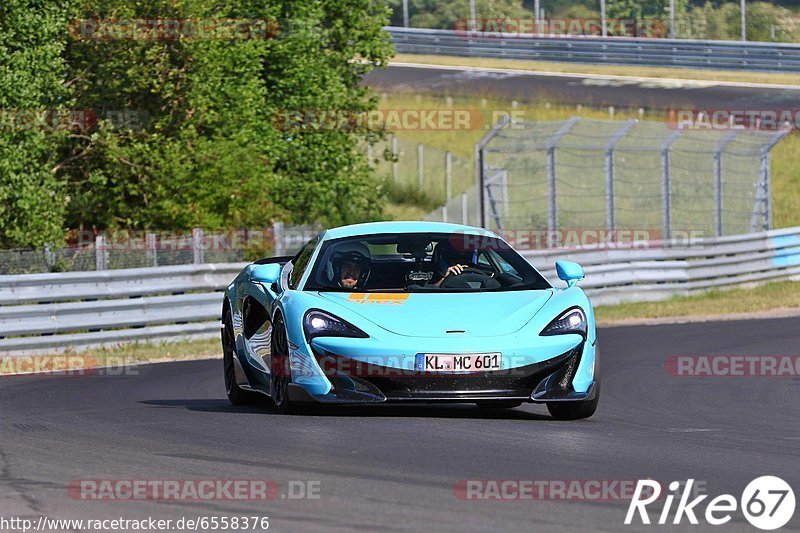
{"points": [[426, 172], [138, 249], [622, 175]]}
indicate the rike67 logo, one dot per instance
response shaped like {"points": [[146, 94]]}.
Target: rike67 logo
{"points": [[767, 503]]}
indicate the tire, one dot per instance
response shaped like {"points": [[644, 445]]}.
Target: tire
{"points": [[281, 369], [498, 404], [576, 410], [235, 394]]}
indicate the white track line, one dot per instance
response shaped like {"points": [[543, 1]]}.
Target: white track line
{"points": [[636, 79]]}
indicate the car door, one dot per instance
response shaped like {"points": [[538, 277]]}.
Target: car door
{"points": [[258, 306]]}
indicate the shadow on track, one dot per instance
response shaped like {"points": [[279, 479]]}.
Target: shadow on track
{"points": [[213, 406], [464, 411]]}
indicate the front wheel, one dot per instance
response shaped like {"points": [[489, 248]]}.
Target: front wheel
{"points": [[281, 369]]}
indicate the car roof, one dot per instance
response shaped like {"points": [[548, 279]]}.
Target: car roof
{"points": [[410, 226]]}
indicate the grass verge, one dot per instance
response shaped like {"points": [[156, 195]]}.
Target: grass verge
{"points": [[604, 70], [117, 356], [782, 295]]}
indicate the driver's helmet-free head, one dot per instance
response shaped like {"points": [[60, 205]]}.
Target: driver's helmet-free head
{"points": [[353, 253], [446, 255]]}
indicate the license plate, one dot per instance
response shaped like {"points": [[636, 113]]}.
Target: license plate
{"points": [[455, 362]]}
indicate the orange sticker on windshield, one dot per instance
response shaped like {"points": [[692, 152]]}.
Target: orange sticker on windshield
{"points": [[379, 298]]}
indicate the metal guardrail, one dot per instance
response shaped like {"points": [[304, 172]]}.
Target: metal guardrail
{"points": [[52, 312], [659, 271], [613, 50]]}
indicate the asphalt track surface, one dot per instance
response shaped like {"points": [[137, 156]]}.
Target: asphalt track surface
{"points": [[587, 91], [394, 467]]}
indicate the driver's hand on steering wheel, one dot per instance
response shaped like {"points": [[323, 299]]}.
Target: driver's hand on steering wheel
{"points": [[455, 270]]}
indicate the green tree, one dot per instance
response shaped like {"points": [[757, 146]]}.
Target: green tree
{"points": [[32, 81], [204, 148], [444, 14]]}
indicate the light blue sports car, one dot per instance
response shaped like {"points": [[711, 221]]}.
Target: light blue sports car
{"points": [[409, 312]]}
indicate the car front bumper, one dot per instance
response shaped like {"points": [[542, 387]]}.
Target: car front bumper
{"points": [[355, 380]]}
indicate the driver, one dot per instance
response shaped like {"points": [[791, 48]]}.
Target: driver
{"points": [[450, 262], [351, 263]]}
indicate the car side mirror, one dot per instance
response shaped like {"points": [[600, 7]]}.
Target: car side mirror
{"points": [[266, 274], [570, 272]]}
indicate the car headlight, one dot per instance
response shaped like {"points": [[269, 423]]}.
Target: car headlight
{"points": [[321, 324], [571, 321]]}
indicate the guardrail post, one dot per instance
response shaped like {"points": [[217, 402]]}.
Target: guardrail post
{"points": [[609, 159], [152, 249], [552, 143], [420, 165], [197, 246], [100, 257], [718, 202], [666, 189]]}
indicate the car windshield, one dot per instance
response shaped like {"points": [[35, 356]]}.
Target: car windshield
{"points": [[422, 262]]}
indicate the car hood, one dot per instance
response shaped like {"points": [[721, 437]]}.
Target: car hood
{"points": [[437, 314]]}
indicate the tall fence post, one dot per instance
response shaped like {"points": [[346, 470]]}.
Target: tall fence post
{"points": [[464, 214], [420, 165], [100, 257], [152, 249], [480, 171], [448, 182], [394, 159], [718, 201], [609, 160], [504, 189], [49, 258], [278, 235], [197, 246], [766, 217], [766, 169], [666, 188], [768, 193], [552, 195], [552, 143]]}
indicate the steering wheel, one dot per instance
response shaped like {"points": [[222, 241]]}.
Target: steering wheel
{"points": [[469, 274]]}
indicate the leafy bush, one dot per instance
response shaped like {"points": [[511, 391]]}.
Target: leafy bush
{"points": [[205, 148]]}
